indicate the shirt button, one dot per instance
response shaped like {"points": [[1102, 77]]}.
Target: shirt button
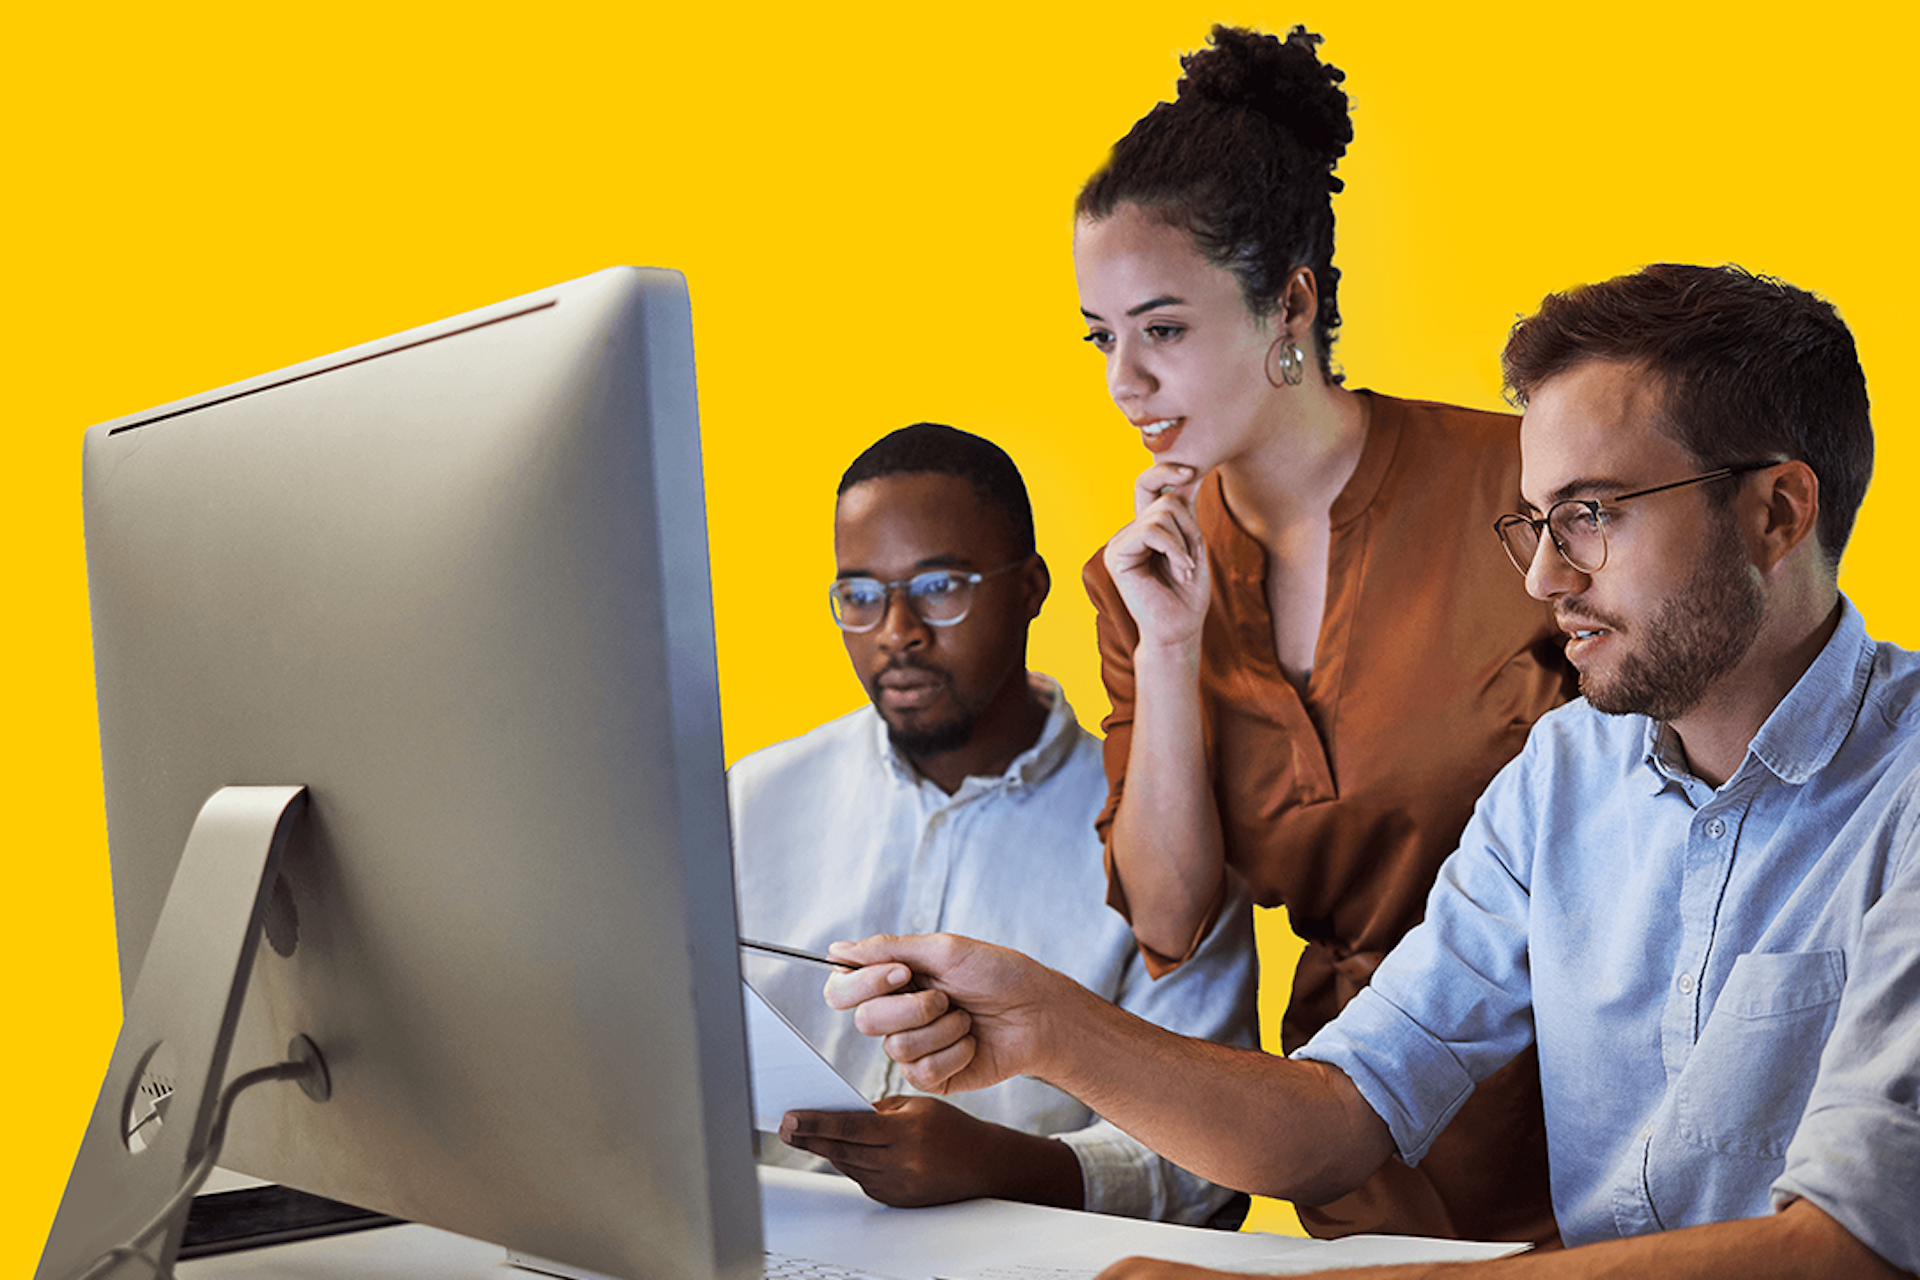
{"points": [[1686, 984], [1716, 829]]}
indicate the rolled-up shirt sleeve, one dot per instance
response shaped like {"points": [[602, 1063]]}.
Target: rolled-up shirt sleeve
{"points": [[1856, 1152], [1723, 980], [1452, 1003]]}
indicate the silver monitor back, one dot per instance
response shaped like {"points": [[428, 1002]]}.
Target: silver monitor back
{"points": [[455, 584]]}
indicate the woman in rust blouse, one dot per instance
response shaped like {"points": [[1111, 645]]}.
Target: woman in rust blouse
{"points": [[1317, 656]]}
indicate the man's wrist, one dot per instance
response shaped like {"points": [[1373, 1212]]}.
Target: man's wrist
{"points": [[1041, 1170], [1073, 1026]]}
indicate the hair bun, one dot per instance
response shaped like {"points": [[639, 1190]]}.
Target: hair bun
{"points": [[1283, 80]]}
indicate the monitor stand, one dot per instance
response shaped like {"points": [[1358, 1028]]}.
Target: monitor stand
{"points": [[155, 1116]]}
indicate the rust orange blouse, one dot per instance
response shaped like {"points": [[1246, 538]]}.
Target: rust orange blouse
{"points": [[1340, 801]]}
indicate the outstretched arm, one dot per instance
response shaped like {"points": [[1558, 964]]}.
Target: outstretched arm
{"points": [[1238, 1117], [1798, 1242]]}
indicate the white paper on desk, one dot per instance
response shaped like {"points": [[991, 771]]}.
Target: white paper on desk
{"points": [[788, 1073], [816, 1215], [1247, 1252]]}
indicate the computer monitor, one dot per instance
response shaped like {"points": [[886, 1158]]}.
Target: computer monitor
{"points": [[453, 584]]}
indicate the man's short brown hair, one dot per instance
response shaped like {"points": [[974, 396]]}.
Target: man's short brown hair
{"points": [[1753, 369]]}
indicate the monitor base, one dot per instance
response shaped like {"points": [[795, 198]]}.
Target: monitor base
{"points": [[154, 1123]]}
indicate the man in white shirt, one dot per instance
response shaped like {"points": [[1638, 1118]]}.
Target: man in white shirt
{"points": [[962, 799]]}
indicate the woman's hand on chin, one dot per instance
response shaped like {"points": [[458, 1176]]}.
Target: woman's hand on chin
{"points": [[1159, 562]]}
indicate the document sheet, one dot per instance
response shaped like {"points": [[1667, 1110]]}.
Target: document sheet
{"points": [[811, 1215]]}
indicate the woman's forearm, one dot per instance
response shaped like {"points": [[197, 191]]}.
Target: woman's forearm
{"points": [[1167, 848]]}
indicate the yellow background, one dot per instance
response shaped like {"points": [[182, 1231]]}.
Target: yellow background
{"points": [[871, 207]]}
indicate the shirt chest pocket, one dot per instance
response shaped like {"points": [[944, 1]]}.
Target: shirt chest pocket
{"points": [[1746, 1083]]}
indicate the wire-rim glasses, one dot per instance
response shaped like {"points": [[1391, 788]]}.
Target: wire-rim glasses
{"points": [[938, 597], [1578, 526]]}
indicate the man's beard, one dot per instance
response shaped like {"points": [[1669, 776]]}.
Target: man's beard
{"points": [[941, 738], [1695, 638], [931, 740]]}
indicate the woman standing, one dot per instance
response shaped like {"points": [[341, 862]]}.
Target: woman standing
{"points": [[1316, 654]]}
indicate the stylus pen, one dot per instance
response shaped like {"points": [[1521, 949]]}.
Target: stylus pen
{"points": [[794, 953]]}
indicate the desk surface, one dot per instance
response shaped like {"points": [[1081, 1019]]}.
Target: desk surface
{"points": [[823, 1217]]}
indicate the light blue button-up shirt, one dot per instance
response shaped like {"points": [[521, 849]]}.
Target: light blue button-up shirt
{"points": [[1724, 984]]}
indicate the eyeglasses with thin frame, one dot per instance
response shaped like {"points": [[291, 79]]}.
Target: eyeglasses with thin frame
{"points": [[938, 597], [1578, 526]]}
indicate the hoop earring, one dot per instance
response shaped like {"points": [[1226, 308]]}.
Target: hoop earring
{"points": [[1293, 363]]}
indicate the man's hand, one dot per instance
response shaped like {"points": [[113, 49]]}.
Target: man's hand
{"points": [[913, 1151], [983, 1013], [1236, 1116], [1799, 1241], [1159, 562], [1161, 1269]]}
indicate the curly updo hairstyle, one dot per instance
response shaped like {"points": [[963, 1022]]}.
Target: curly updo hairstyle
{"points": [[1243, 159]]}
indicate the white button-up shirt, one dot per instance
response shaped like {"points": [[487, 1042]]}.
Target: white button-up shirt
{"points": [[837, 837]]}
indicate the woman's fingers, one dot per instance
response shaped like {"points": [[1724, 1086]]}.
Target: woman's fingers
{"points": [[1164, 479]]}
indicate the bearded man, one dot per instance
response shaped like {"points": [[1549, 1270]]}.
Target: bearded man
{"points": [[962, 798]]}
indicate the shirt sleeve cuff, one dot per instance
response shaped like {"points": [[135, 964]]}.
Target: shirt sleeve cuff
{"points": [[1854, 1157], [1121, 1176], [1410, 1079]]}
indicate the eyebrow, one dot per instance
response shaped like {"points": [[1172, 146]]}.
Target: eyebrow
{"points": [[948, 561], [1151, 304], [1581, 488]]}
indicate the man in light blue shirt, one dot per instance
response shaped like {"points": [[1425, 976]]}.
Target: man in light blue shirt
{"points": [[1697, 890]]}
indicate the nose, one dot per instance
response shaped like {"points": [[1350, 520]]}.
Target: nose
{"points": [[1549, 576], [900, 627], [1128, 378]]}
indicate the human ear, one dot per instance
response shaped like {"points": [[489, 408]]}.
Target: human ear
{"points": [[1786, 512], [1035, 584], [1299, 305]]}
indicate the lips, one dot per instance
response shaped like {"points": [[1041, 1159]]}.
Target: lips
{"points": [[1581, 645], [1584, 636], [908, 687], [1158, 434]]}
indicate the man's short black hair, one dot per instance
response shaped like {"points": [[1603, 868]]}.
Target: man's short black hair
{"points": [[930, 448]]}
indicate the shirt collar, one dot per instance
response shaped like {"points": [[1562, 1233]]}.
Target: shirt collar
{"points": [[1806, 729], [1030, 768], [1801, 735]]}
